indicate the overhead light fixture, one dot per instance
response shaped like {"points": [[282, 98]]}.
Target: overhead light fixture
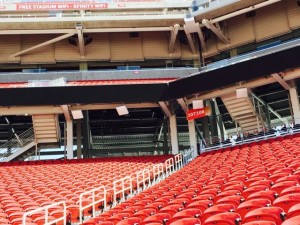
{"points": [[198, 104], [242, 93], [77, 114], [122, 110]]}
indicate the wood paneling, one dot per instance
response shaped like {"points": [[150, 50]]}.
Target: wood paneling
{"points": [[293, 12], [156, 46], [271, 21], [239, 30], [97, 50], [125, 48], [40, 55], [212, 47], [9, 44], [64, 51]]}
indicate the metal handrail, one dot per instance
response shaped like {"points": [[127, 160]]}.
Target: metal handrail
{"points": [[94, 193], [269, 108], [46, 210], [16, 144]]}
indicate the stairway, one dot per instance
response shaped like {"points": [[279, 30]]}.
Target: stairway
{"points": [[17, 146], [46, 128], [242, 111]]}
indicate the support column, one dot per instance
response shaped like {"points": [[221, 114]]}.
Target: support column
{"points": [[86, 134], [193, 137], [213, 120], [233, 53], [70, 139], [165, 135], [174, 134], [83, 66], [9, 136], [69, 130], [78, 132], [268, 118], [295, 104], [204, 128]]}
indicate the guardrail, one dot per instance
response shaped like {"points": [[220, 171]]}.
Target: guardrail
{"points": [[123, 189], [187, 156], [46, 210], [143, 179], [158, 173], [94, 193], [169, 165], [178, 161], [17, 143]]}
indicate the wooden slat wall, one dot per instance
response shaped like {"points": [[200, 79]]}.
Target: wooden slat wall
{"points": [[64, 51], [9, 44], [125, 48], [156, 46], [271, 21], [41, 55], [239, 30], [186, 52], [212, 47], [99, 49], [293, 12]]}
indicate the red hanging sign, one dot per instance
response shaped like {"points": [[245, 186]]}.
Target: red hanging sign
{"points": [[197, 113]]}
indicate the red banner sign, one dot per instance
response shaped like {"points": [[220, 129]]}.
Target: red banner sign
{"points": [[60, 6], [197, 113]]}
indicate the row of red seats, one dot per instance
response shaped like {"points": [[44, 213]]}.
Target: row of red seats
{"points": [[25, 188], [257, 183]]}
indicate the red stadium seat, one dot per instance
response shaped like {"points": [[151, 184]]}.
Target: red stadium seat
{"points": [[228, 218], [187, 221], [292, 221], [273, 214], [250, 205], [260, 223], [157, 218], [187, 213], [220, 208], [287, 201], [130, 221], [271, 195]]}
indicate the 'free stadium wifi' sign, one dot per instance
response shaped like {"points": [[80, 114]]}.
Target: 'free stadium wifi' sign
{"points": [[60, 6]]}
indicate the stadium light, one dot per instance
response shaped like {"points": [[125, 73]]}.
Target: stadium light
{"points": [[122, 110], [77, 114]]}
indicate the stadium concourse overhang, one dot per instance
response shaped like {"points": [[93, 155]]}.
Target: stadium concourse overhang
{"points": [[38, 16], [199, 83]]}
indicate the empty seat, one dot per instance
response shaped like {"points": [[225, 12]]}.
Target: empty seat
{"points": [[287, 201], [250, 205], [187, 221], [130, 221], [273, 214], [187, 213], [201, 204], [260, 223], [228, 218], [220, 208], [292, 221], [157, 218], [294, 211]]}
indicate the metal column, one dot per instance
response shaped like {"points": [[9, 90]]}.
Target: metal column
{"points": [[70, 139], [86, 134], [78, 132], [174, 134], [295, 104], [193, 137]]}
